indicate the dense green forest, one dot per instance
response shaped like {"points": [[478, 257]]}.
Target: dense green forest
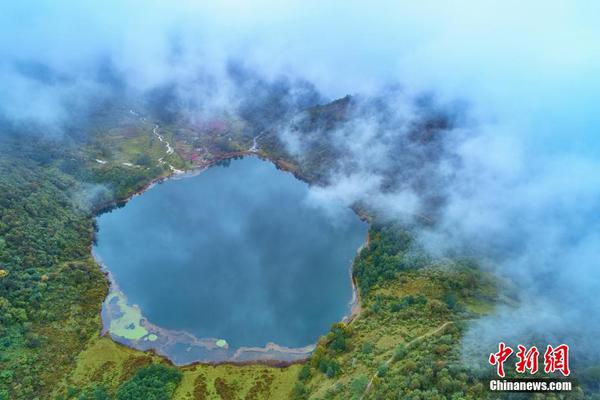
{"points": [[51, 289], [404, 342]]}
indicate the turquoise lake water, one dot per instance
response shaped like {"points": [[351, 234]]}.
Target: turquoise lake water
{"points": [[239, 252]]}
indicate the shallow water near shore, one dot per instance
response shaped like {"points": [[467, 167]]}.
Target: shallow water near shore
{"points": [[216, 266]]}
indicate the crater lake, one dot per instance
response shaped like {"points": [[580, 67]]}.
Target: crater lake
{"points": [[239, 252]]}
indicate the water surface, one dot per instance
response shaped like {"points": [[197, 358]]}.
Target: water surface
{"points": [[237, 253]]}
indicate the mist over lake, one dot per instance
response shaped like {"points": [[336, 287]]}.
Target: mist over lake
{"points": [[238, 252]]}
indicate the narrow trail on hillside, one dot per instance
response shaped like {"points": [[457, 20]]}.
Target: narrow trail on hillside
{"points": [[170, 150], [254, 147], [415, 340], [162, 139]]}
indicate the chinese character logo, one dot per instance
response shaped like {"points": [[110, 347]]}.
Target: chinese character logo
{"points": [[500, 357], [555, 359], [528, 359]]}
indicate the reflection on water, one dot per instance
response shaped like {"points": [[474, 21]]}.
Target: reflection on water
{"points": [[217, 266]]}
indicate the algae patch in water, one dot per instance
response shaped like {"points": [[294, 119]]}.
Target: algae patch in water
{"points": [[128, 324]]}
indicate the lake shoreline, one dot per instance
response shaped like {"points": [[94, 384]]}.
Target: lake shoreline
{"points": [[271, 354], [197, 169]]}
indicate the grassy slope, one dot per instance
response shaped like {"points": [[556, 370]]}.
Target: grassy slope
{"points": [[108, 364], [428, 330]]}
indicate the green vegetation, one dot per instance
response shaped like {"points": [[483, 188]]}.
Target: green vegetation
{"points": [[51, 294], [155, 382], [109, 365], [51, 289], [405, 343], [390, 251]]}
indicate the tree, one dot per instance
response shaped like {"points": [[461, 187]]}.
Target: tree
{"points": [[300, 391], [305, 373], [143, 159], [358, 385], [338, 335], [155, 382]]}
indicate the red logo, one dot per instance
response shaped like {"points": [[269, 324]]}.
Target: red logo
{"points": [[555, 359], [500, 357], [528, 359]]}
